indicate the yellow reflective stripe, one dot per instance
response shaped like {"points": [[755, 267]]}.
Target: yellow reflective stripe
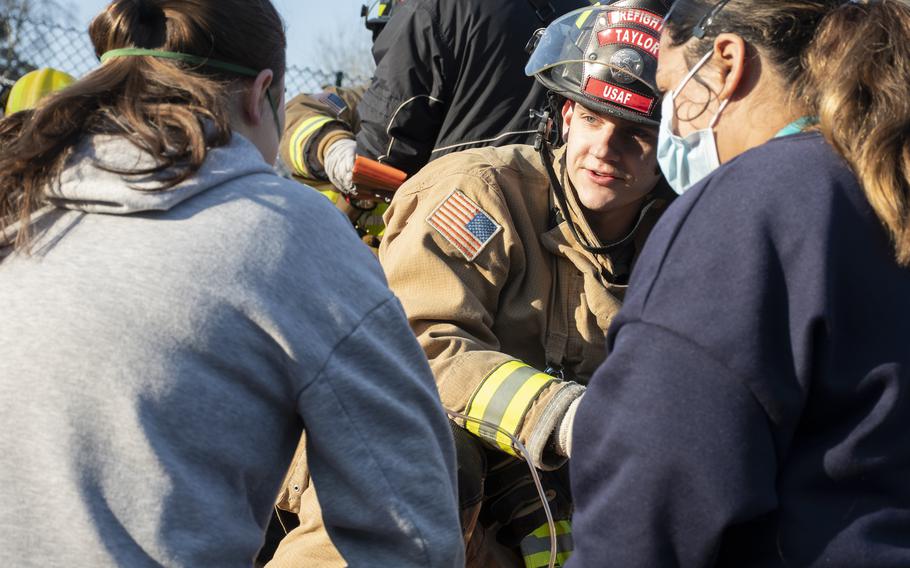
{"points": [[298, 141], [580, 21], [330, 194], [535, 548], [382, 8], [504, 398], [519, 406], [542, 559], [583, 18], [562, 527], [478, 405], [371, 221]]}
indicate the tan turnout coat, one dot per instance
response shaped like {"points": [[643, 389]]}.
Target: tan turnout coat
{"points": [[530, 293]]}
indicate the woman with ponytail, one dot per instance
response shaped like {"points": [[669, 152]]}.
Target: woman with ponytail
{"points": [[173, 316], [754, 407]]}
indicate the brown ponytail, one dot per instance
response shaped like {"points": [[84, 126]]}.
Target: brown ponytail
{"points": [[848, 63], [858, 82], [172, 110]]}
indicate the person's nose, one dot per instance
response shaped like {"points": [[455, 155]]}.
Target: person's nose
{"points": [[606, 146]]}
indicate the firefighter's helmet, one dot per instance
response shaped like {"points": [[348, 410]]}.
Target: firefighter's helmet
{"points": [[34, 86], [377, 14], [604, 57]]}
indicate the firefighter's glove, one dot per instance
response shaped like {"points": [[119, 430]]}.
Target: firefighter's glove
{"points": [[513, 504], [510, 492], [339, 164], [563, 433]]}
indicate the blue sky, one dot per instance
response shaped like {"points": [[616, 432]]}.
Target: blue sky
{"points": [[306, 20]]}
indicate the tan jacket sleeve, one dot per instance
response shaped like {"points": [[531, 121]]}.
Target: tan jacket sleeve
{"points": [[307, 544], [314, 121], [451, 303]]}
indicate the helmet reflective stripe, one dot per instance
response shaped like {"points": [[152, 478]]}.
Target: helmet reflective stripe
{"points": [[583, 18], [378, 13]]}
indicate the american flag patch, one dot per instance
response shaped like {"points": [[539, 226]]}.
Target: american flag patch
{"points": [[464, 224], [333, 101]]}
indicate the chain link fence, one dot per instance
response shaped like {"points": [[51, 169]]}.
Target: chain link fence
{"points": [[26, 45]]}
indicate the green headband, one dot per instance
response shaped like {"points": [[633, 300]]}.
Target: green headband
{"points": [[195, 60], [185, 57]]}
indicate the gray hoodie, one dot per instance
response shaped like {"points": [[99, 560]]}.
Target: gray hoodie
{"points": [[160, 352]]}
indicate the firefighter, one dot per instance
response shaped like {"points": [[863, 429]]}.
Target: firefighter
{"points": [[538, 288], [511, 262], [449, 76], [315, 121]]}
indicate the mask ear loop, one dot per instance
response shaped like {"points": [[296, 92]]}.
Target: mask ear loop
{"points": [[691, 73], [720, 109], [672, 94]]}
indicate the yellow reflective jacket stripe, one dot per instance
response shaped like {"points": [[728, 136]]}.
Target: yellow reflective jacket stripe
{"points": [[504, 398], [535, 548], [299, 139], [542, 559], [543, 531]]}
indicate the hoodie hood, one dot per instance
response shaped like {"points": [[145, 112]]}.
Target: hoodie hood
{"points": [[85, 184]]}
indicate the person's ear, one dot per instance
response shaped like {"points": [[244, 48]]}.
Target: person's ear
{"points": [[255, 95], [568, 111], [730, 61]]}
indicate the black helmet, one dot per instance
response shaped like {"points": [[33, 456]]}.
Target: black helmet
{"points": [[377, 14], [604, 57]]}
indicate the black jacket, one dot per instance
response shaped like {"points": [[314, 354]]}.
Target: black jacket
{"points": [[450, 76]]}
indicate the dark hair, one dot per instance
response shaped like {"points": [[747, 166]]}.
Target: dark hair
{"points": [[848, 63], [175, 111]]}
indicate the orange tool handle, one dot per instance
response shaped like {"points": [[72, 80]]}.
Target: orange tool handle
{"points": [[370, 174]]}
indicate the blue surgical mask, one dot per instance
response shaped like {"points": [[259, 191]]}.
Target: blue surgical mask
{"points": [[685, 161]]}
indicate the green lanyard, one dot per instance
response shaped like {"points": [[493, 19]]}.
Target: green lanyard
{"points": [[797, 126]]}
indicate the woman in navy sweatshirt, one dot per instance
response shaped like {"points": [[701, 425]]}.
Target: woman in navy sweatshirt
{"points": [[755, 404]]}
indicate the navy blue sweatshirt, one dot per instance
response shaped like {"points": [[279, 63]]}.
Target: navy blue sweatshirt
{"points": [[754, 409]]}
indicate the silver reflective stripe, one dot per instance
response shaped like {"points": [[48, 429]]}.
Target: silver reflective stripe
{"points": [[388, 129], [496, 408], [484, 141]]}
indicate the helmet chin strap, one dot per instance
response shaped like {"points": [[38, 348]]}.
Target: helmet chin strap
{"points": [[560, 193]]}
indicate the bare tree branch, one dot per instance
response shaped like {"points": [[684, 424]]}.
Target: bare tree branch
{"points": [[346, 49]]}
